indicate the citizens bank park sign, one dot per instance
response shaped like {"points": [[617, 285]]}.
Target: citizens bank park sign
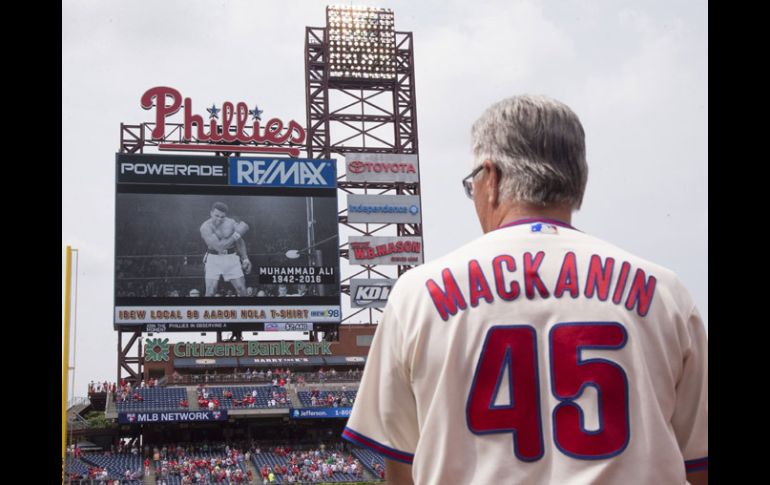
{"points": [[238, 124]]}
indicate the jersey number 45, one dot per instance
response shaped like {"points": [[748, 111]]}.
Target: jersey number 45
{"points": [[514, 348]]}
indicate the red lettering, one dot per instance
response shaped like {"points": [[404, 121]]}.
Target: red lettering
{"points": [[228, 111], [497, 266], [162, 109], [621, 284], [214, 132], [446, 302], [599, 278], [641, 293], [531, 278], [477, 283], [568, 279], [167, 101], [243, 118], [189, 120]]}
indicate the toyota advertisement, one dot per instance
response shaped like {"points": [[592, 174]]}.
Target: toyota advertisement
{"points": [[381, 167]]}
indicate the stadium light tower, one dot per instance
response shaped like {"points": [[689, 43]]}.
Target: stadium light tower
{"points": [[360, 91], [362, 43]]}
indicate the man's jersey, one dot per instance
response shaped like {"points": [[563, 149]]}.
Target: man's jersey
{"points": [[537, 354]]}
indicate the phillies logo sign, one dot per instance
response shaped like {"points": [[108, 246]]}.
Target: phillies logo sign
{"points": [[234, 126]]}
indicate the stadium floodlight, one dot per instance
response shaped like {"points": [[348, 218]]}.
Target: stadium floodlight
{"points": [[362, 42]]}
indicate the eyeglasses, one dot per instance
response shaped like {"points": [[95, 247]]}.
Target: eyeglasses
{"points": [[468, 181]]}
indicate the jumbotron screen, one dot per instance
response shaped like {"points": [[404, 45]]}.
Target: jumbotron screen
{"points": [[218, 243]]}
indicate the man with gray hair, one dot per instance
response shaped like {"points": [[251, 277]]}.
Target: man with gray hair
{"points": [[537, 353]]}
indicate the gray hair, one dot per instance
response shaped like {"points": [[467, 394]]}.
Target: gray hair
{"points": [[538, 144]]}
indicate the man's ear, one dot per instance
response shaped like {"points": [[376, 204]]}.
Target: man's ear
{"points": [[492, 181]]}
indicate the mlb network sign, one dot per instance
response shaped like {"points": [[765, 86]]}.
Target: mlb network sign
{"points": [[370, 293], [172, 417], [283, 172]]}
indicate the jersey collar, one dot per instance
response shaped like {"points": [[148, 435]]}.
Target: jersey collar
{"points": [[530, 220]]}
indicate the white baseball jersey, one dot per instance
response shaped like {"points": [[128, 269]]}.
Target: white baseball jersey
{"points": [[537, 354]]}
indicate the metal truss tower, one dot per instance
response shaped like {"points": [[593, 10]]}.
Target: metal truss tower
{"points": [[360, 113]]}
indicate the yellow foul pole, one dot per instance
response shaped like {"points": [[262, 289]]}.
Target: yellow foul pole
{"points": [[65, 359]]}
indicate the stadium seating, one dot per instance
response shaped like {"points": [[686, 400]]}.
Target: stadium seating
{"points": [[173, 479], [304, 397], [264, 394], [155, 399], [272, 459], [368, 457], [117, 464], [75, 465]]}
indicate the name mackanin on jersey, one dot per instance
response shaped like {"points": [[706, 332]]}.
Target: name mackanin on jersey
{"points": [[295, 270], [510, 278]]}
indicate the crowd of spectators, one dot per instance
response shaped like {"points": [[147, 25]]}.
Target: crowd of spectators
{"points": [[206, 464], [106, 468], [125, 392], [309, 466], [227, 463], [200, 464], [300, 378], [331, 398]]}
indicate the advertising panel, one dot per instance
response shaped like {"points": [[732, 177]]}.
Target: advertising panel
{"points": [[401, 250], [172, 417], [315, 413], [370, 293], [381, 167], [384, 208], [218, 243]]}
